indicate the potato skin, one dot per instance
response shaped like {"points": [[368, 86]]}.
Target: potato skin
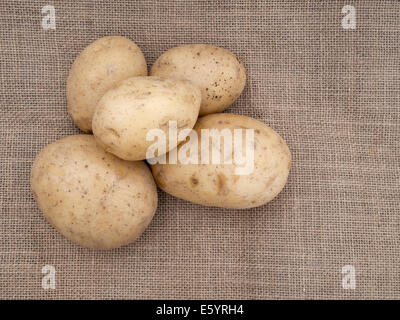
{"points": [[216, 71], [99, 67], [126, 113], [90, 196], [217, 185]]}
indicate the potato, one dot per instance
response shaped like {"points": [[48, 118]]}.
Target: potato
{"points": [[225, 185], [127, 113], [216, 71], [98, 68], [90, 196]]}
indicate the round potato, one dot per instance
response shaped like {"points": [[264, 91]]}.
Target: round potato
{"points": [[216, 71], [98, 68], [90, 196], [126, 114], [231, 181]]}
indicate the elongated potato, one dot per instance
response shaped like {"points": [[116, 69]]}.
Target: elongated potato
{"points": [[237, 185], [90, 196], [216, 71], [126, 114], [99, 67]]}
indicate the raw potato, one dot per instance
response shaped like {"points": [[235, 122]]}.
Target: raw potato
{"points": [[98, 68], [217, 185], [216, 71], [90, 196], [126, 113]]}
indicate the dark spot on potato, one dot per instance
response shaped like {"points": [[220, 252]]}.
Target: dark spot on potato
{"points": [[113, 132], [194, 181], [221, 180]]}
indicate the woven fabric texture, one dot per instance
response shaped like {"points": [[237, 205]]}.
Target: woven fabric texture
{"points": [[332, 93]]}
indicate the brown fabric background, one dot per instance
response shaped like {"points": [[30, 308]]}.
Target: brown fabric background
{"points": [[333, 94]]}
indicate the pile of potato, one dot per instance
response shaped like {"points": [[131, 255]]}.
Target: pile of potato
{"points": [[98, 191]]}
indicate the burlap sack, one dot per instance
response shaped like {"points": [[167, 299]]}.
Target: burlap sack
{"points": [[332, 93]]}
